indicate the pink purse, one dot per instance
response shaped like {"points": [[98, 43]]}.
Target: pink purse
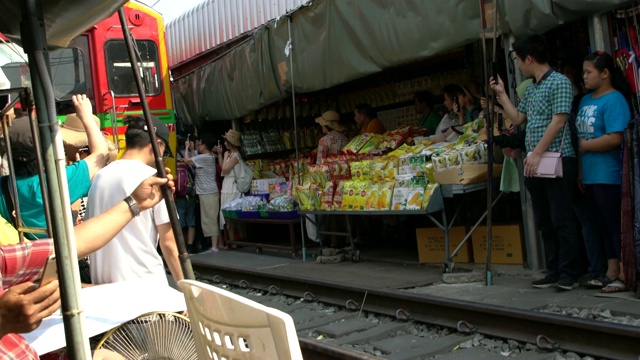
{"points": [[550, 165]]}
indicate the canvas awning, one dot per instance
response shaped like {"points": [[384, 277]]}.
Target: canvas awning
{"points": [[336, 41]]}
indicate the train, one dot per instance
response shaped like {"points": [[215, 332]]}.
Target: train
{"points": [[96, 63]]}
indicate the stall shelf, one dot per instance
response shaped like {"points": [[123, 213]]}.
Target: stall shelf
{"points": [[436, 204], [290, 223]]}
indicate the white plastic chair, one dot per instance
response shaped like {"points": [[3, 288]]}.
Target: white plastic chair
{"points": [[229, 326]]}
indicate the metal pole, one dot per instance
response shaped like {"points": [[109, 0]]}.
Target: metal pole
{"points": [[289, 53], [185, 262], [33, 35]]}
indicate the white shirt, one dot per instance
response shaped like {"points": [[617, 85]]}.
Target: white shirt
{"points": [[132, 253]]}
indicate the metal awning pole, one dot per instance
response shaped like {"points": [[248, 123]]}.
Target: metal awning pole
{"points": [[289, 53], [185, 262], [33, 36]]}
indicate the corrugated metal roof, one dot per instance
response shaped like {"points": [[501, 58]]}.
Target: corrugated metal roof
{"points": [[215, 22]]}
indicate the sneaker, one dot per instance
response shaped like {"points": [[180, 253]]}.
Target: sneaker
{"points": [[566, 283], [546, 282], [214, 250]]}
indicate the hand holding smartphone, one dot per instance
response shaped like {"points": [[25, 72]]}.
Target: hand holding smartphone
{"points": [[50, 272]]}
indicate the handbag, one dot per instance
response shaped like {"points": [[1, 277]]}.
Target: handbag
{"points": [[550, 165]]}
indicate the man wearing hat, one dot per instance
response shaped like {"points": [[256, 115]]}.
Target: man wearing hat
{"points": [[79, 174], [132, 254], [334, 139]]}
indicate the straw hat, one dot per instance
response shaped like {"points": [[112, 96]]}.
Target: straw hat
{"points": [[330, 119], [233, 137], [73, 132]]}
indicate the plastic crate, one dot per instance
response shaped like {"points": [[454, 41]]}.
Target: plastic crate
{"points": [[264, 214], [230, 214], [284, 215], [254, 214]]}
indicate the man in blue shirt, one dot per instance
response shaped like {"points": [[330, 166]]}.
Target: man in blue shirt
{"points": [[545, 107]]}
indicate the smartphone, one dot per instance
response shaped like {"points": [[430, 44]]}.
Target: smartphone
{"points": [[455, 101], [500, 122], [50, 272], [494, 71]]}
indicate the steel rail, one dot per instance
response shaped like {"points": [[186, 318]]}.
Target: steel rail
{"points": [[548, 331]]}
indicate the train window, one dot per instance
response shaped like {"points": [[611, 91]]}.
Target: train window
{"points": [[71, 69], [121, 78]]}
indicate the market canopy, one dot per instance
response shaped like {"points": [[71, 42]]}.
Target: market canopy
{"points": [[63, 19], [336, 41]]}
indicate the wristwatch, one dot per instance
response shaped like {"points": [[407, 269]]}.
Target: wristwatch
{"points": [[132, 205]]}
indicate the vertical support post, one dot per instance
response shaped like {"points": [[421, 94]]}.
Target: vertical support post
{"points": [[34, 38]]}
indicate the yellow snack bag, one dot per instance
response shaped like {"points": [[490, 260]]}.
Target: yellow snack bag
{"points": [[371, 145], [385, 194], [416, 193], [361, 193], [391, 170], [371, 202], [348, 193], [356, 170], [401, 192], [428, 191], [377, 169], [365, 169], [417, 163], [338, 196]]}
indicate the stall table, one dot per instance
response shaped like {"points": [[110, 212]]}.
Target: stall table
{"points": [[288, 222], [436, 204]]}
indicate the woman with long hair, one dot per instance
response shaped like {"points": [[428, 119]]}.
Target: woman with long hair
{"points": [[603, 116], [230, 163]]}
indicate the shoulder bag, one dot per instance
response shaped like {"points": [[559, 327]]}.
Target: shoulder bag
{"points": [[550, 165]]}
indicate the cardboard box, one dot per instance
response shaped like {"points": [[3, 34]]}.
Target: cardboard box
{"points": [[467, 174], [263, 186], [431, 245], [506, 244]]}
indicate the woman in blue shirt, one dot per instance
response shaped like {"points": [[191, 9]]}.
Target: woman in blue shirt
{"points": [[603, 116]]}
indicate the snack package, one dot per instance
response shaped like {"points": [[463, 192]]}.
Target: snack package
{"points": [[401, 192], [326, 200], [470, 155], [371, 202], [356, 143], [428, 191], [404, 167], [416, 193], [323, 169], [307, 198], [429, 172], [365, 169], [360, 196], [371, 145], [356, 170], [338, 196], [417, 163], [454, 159], [377, 169], [483, 152], [348, 193], [385, 195], [439, 162], [391, 170]]}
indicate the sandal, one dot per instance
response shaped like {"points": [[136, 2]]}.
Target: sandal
{"points": [[598, 282], [615, 286]]}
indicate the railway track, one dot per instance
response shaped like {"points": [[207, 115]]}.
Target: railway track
{"points": [[417, 326]]}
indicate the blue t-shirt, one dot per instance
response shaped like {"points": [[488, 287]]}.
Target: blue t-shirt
{"points": [[606, 114], [30, 195]]}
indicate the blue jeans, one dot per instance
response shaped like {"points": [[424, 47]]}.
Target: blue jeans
{"points": [[552, 201], [186, 207]]}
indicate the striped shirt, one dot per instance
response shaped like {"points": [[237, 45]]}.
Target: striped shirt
{"points": [[552, 95], [21, 263]]}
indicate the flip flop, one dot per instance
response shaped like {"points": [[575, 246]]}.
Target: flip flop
{"points": [[598, 283], [615, 287]]}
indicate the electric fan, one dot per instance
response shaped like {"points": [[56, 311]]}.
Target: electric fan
{"points": [[152, 336]]}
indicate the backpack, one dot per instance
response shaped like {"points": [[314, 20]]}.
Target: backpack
{"points": [[244, 177], [184, 180]]}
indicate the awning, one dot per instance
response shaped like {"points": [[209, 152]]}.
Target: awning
{"points": [[336, 41], [63, 19]]}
